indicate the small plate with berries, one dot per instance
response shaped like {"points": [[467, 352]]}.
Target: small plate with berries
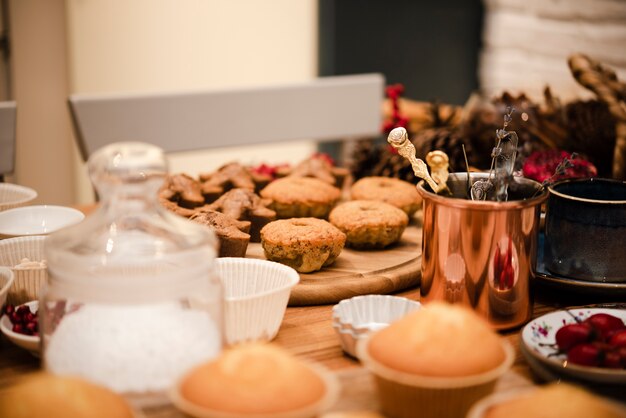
{"points": [[587, 343], [20, 324]]}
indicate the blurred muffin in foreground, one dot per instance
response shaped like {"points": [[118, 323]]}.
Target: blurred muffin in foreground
{"points": [[43, 395], [255, 380], [550, 401]]}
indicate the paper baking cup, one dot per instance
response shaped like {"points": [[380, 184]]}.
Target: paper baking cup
{"points": [[29, 281], [256, 296], [6, 281], [326, 402], [358, 316], [14, 196], [371, 312], [402, 395]]}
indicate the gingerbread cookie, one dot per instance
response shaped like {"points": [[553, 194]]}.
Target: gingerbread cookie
{"points": [[245, 205], [232, 234]]}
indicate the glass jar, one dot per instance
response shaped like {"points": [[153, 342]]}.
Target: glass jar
{"points": [[132, 300]]}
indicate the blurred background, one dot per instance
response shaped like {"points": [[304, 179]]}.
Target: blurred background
{"points": [[438, 50]]}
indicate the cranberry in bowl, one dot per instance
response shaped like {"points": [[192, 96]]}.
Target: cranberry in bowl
{"points": [[20, 324]]}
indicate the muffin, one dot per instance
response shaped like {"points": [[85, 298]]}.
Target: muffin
{"points": [[369, 223], [299, 197], [399, 193], [305, 244], [45, 395], [550, 401], [255, 380], [438, 360], [232, 234]]}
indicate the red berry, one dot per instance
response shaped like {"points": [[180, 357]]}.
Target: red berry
{"points": [[622, 354], [618, 339], [572, 334], [18, 328], [32, 327], [585, 355], [605, 324], [612, 360], [23, 310]]}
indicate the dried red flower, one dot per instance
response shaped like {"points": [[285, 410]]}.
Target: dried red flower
{"points": [[541, 166]]}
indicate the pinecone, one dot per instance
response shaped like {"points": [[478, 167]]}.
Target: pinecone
{"points": [[449, 141], [366, 155], [393, 165], [591, 132]]}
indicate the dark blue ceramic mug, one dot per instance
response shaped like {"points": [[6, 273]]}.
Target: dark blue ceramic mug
{"points": [[585, 231]]}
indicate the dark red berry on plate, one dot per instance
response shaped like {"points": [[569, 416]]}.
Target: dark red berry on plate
{"points": [[572, 334], [618, 339], [605, 324], [612, 360], [585, 355], [19, 328]]}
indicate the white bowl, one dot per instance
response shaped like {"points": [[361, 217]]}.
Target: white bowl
{"points": [[28, 342], [256, 296], [357, 317], [28, 280], [37, 220], [6, 281], [14, 196]]}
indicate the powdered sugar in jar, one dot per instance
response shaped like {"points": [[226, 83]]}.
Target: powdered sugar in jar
{"points": [[132, 301]]}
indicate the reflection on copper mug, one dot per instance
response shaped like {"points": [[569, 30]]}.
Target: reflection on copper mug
{"points": [[482, 253]]}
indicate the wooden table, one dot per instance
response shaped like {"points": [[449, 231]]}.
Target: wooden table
{"points": [[307, 333]]}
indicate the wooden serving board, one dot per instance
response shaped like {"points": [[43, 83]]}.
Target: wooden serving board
{"points": [[359, 272]]}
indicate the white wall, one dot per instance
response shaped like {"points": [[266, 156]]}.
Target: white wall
{"points": [[161, 45], [40, 85]]}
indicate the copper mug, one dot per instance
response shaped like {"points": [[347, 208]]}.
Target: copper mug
{"points": [[482, 253]]}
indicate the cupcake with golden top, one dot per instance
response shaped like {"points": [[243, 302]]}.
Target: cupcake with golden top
{"points": [[437, 361], [255, 380], [549, 401], [43, 395]]}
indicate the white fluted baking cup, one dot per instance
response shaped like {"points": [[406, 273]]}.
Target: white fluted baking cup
{"points": [[356, 317], [256, 296], [6, 281], [14, 196], [29, 280], [363, 314]]}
